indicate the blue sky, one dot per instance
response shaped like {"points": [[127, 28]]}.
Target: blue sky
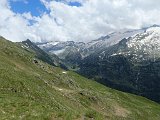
{"points": [[35, 7]]}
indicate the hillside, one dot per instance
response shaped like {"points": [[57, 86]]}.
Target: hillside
{"points": [[34, 90]]}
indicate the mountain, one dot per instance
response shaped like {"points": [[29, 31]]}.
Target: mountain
{"points": [[69, 52], [40, 54], [51, 59], [132, 65], [33, 89], [72, 53], [109, 40], [84, 49]]}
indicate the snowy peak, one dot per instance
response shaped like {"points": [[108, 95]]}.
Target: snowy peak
{"points": [[47, 45], [150, 38], [143, 46], [113, 38], [62, 49], [155, 30]]}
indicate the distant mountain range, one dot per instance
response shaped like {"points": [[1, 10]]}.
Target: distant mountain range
{"points": [[125, 60], [62, 49]]}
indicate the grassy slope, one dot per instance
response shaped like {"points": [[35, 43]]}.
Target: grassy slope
{"points": [[40, 91]]}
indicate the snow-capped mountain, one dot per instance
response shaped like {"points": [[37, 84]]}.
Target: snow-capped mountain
{"points": [[132, 65], [47, 45], [69, 52], [143, 46], [148, 43], [59, 47], [85, 49], [111, 39]]}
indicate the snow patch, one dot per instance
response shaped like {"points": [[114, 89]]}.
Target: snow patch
{"points": [[57, 52]]}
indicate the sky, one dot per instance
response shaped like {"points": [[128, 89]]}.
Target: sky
{"points": [[73, 20]]}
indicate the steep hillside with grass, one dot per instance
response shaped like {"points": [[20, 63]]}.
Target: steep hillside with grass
{"points": [[33, 90]]}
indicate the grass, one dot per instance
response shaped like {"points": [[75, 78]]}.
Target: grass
{"points": [[38, 91]]}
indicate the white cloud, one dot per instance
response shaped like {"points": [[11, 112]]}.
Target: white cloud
{"points": [[90, 21]]}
